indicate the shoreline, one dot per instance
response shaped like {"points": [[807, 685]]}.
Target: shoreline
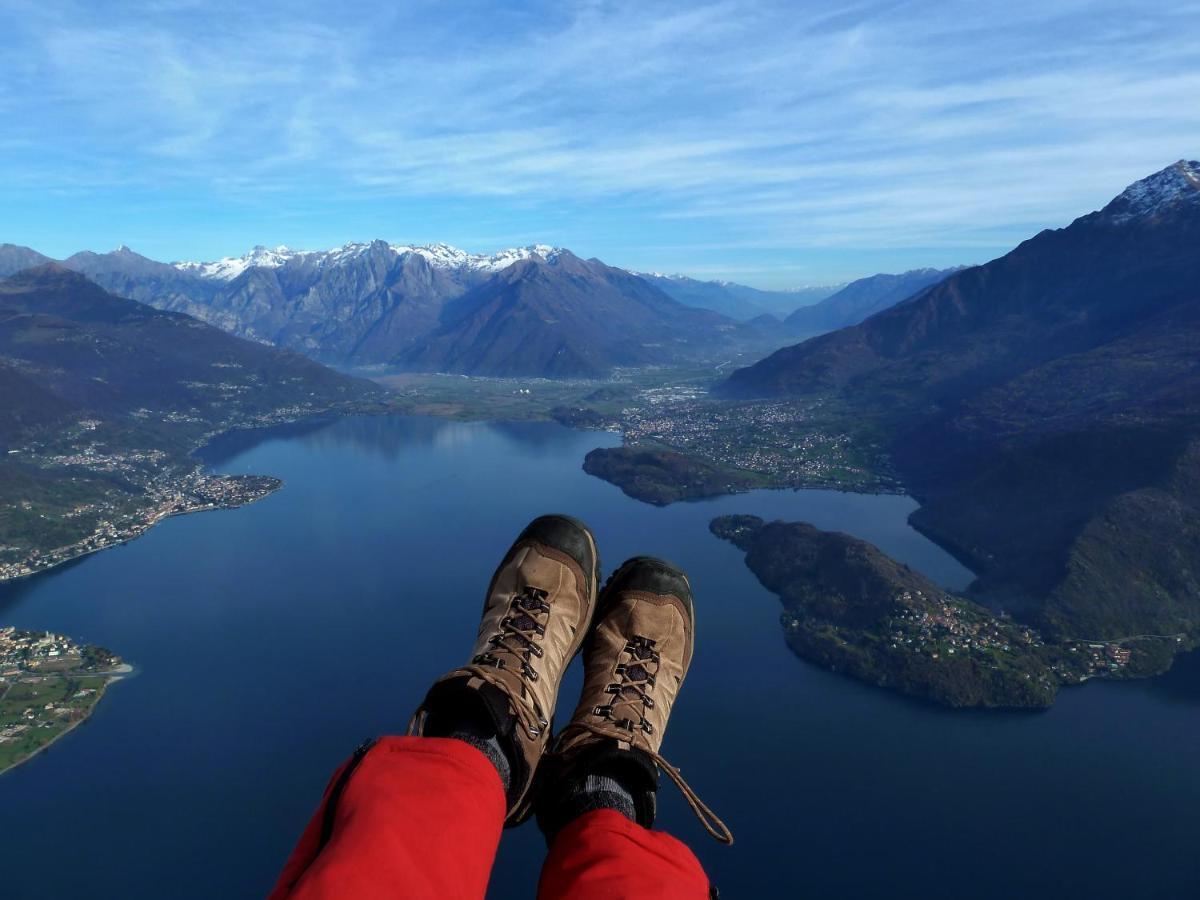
{"points": [[196, 454], [145, 526], [110, 677]]}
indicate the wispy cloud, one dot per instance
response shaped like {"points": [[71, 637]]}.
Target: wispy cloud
{"points": [[619, 126]]}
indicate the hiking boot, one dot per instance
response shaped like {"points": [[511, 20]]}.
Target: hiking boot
{"points": [[536, 615], [635, 660]]}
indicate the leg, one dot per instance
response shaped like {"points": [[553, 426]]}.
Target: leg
{"points": [[417, 817], [604, 855], [421, 816], [599, 782]]}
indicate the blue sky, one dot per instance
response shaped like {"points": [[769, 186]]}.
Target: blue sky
{"points": [[776, 144]]}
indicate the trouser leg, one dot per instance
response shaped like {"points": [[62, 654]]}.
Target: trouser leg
{"points": [[410, 817], [603, 855]]}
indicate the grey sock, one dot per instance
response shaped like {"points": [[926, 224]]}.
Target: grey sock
{"points": [[574, 796], [471, 724], [603, 792], [490, 747]]}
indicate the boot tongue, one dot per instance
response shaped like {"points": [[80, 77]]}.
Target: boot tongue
{"points": [[525, 622]]}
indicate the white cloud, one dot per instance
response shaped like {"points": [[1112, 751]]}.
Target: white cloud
{"points": [[882, 124]]}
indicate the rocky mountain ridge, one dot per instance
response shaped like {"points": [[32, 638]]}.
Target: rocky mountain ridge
{"points": [[385, 304]]}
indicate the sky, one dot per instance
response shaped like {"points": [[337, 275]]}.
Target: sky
{"points": [[774, 144]]}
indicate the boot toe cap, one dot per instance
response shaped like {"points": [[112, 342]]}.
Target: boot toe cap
{"points": [[653, 575], [567, 535]]}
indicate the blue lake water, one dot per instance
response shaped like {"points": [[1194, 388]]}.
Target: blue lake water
{"points": [[271, 640]]}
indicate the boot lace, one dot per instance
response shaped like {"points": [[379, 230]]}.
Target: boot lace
{"points": [[631, 699], [516, 645], [631, 691]]}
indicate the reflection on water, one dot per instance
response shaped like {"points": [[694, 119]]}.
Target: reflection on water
{"points": [[378, 436], [233, 443]]}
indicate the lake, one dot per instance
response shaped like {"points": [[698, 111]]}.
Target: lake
{"points": [[269, 641]]}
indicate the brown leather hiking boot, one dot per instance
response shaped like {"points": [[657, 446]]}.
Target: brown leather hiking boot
{"points": [[635, 660], [536, 615]]}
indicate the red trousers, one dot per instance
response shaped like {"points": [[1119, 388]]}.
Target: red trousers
{"points": [[421, 818]]}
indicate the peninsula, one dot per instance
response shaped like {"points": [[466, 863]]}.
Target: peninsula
{"points": [[851, 608], [49, 684]]}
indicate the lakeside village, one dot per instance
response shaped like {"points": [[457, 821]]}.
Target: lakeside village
{"points": [[166, 487], [793, 443], [942, 629], [166, 494], [48, 685]]}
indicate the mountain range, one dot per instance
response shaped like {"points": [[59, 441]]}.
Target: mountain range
{"points": [[1045, 408], [438, 308]]}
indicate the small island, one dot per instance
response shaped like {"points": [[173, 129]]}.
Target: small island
{"points": [[48, 685], [851, 608]]}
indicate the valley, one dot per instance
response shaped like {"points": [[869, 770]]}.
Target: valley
{"points": [[1038, 406], [818, 383]]}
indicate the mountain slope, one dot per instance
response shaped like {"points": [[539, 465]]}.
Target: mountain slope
{"points": [[564, 317], [14, 258], [362, 303], [102, 399], [363, 308], [1046, 409], [379, 303], [112, 355], [861, 299], [128, 274], [1063, 291]]}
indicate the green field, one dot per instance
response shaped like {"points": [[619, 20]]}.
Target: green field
{"points": [[32, 694]]}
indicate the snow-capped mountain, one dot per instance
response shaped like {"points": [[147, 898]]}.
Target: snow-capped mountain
{"points": [[378, 302], [1176, 184], [438, 255], [447, 257], [370, 303], [231, 267]]}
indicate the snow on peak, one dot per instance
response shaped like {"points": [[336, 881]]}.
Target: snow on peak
{"points": [[231, 267], [439, 255], [506, 258], [444, 256], [1175, 184]]}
